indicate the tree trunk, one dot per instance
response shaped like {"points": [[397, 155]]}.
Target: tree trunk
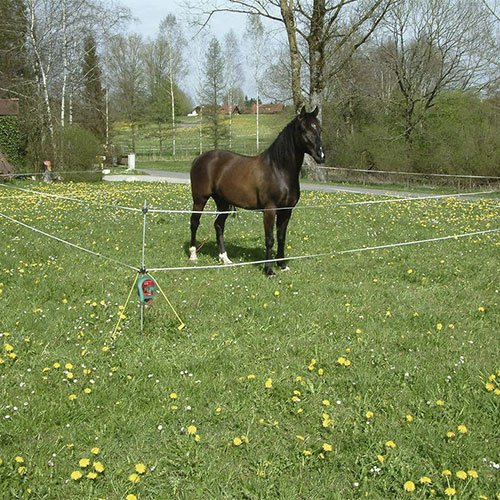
{"points": [[39, 71], [288, 14]]}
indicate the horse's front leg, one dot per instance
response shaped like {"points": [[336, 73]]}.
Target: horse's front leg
{"points": [[282, 220], [269, 217]]}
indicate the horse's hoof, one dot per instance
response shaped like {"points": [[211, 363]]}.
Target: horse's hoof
{"points": [[192, 254], [225, 259], [286, 268]]}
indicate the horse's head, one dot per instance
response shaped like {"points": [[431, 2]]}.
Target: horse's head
{"points": [[310, 132]]}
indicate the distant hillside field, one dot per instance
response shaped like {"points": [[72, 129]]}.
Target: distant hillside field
{"points": [[155, 143]]}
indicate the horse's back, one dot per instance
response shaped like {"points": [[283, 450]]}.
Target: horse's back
{"points": [[220, 172]]}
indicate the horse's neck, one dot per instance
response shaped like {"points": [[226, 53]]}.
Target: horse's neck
{"points": [[287, 155]]}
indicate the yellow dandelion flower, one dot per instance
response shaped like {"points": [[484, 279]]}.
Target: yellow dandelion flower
{"points": [[268, 384], [237, 441], [473, 474], [439, 327], [450, 434], [326, 402], [307, 453], [72, 397], [69, 375], [173, 395], [489, 386], [95, 450], [98, 466], [450, 492], [446, 473], [140, 468], [409, 486], [134, 478], [425, 480], [87, 390], [481, 309], [68, 366], [369, 414], [299, 437], [321, 371], [91, 475], [462, 429], [197, 438], [251, 376], [439, 402], [76, 475], [191, 430], [22, 470], [84, 462], [327, 447], [19, 460], [381, 458], [390, 444], [461, 474], [409, 418], [492, 377], [130, 496]]}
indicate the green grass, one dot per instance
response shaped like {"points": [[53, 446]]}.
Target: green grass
{"points": [[188, 140], [392, 332]]}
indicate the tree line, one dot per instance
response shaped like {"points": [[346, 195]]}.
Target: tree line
{"points": [[400, 84]]}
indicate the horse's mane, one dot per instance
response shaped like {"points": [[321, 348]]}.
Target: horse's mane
{"points": [[281, 151]]}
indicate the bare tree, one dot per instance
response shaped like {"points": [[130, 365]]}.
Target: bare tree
{"points": [[171, 32], [256, 34], [125, 64], [233, 76], [313, 29], [55, 49], [434, 45]]}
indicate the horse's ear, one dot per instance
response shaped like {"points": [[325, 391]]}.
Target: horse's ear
{"points": [[302, 112], [315, 112]]}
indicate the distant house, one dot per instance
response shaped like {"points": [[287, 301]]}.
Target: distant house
{"points": [[234, 109], [195, 111], [268, 109]]}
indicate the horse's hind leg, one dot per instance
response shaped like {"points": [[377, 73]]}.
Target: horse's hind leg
{"points": [[198, 206], [220, 221]]}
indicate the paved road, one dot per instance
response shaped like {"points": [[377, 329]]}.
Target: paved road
{"points": [[145, 175]]}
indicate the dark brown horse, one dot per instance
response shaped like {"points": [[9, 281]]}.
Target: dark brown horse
{"points": [[268, 182]]}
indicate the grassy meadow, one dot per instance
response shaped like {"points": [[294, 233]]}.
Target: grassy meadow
{"points": [[243, 132], [365, 375]]}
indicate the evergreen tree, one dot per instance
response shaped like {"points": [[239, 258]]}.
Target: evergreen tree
{"points": [[212, 91], [13, 64], [93, 106]]}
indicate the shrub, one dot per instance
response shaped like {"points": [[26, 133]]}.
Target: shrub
{"points": [[80, 151], [10, 139]]}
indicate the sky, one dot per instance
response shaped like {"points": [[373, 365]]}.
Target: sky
{"points": [[149, 13]]}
